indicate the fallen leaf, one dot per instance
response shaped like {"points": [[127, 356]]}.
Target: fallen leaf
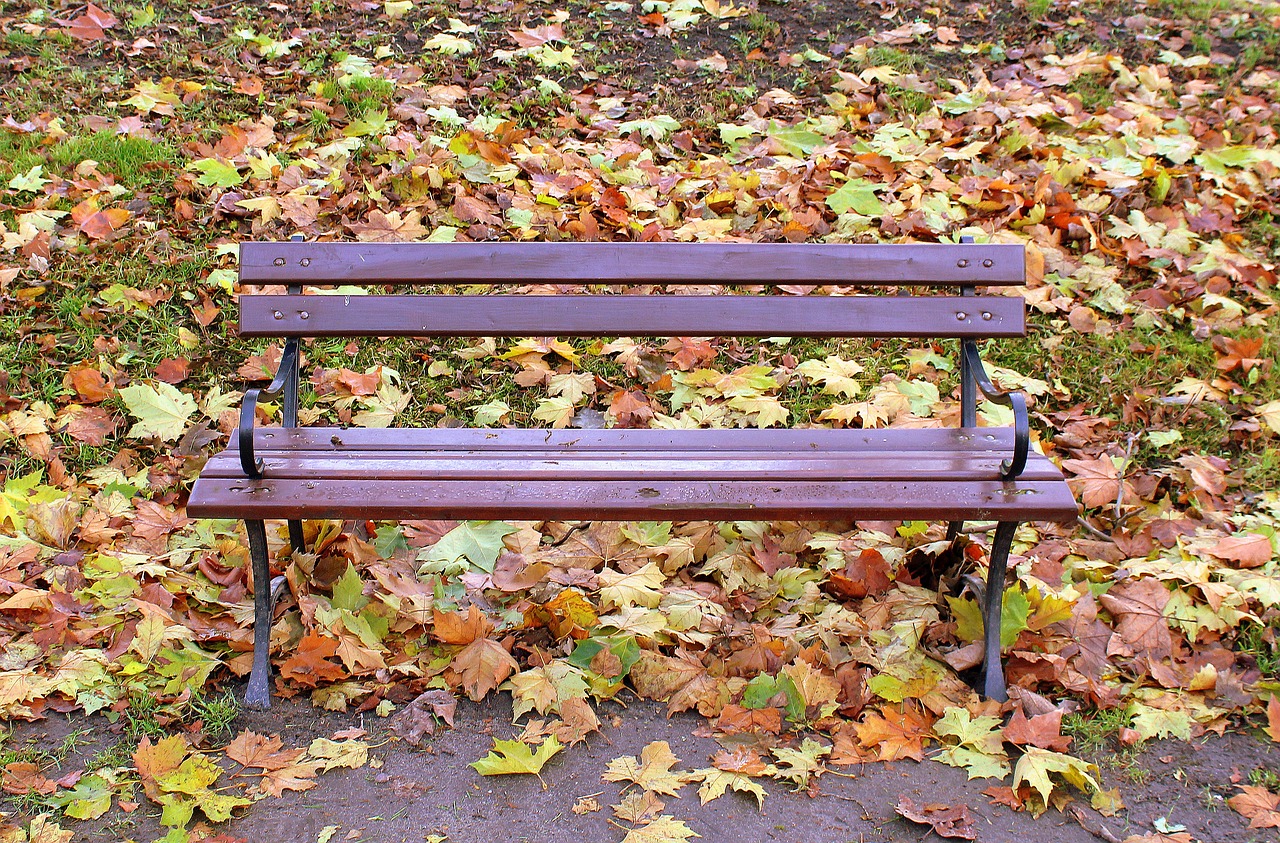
{"points": [[945, 820]]}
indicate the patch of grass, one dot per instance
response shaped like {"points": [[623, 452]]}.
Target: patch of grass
{"points": [[1265, 777], [217, 712], [908, 101], [1092, 731], [1037, 9], [135, 162], [900, 60], [1261, 643], [361, 96], [1093, 92]]}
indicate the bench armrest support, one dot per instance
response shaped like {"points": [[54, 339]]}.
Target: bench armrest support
{"points": [[1016, 401], [286, 384]]}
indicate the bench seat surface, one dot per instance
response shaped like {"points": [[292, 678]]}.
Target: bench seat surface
{"points": [[400, 473]]}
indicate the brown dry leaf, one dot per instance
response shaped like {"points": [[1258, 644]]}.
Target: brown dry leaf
{"points": [[1043, 730], [268, 752], [866, 574], [453, 628], [1096, 481], [298, 777], [482, 666], [1138, 608], [639, 806], [652, 770], [1249, 550], [1258, 805], [1273, 718], [418, 719], [89, 384], [895, 733], [23, 777], [657, 677], [390, 227], [514, 572], [577, 720], [90, 425], [740, 759], [91, 25], [309, 665], [538, 35], [945, 820]]}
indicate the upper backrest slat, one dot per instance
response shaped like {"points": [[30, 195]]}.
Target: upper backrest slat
{"points": [[631, 263], [612, 316]]}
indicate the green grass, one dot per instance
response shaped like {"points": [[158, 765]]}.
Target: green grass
{"points": [[1260, 642], [136, 163], [1092, 731], [1093, 92], [900, 60]]}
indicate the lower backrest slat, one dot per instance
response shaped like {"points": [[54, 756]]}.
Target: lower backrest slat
{"points": [[611, 316]]}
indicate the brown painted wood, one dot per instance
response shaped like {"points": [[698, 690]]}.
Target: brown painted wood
{"points": [[819, 440], [631, 263], [406, 465], [649, 500], [609, 316]]}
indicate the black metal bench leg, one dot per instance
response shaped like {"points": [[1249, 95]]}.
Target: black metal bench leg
{"points": [[259, 693], [296, 541], [953, 530], [993, 686]]}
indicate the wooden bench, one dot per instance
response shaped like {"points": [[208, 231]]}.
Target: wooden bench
{"points": [[294, 473]]}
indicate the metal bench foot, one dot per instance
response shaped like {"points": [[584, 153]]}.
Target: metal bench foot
{"points": [[258, 695], [296, 542], [993, 686]]}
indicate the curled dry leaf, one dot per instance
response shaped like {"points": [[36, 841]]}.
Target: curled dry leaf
{"points": [[946, 820]]}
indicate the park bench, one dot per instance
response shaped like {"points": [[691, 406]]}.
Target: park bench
{"points": [[966, 473]]}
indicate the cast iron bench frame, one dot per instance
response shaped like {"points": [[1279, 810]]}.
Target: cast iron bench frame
{"points": [[979, 473]]}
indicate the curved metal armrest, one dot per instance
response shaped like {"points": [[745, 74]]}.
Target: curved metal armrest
{"points": [[1011, 468], [249, 406]]}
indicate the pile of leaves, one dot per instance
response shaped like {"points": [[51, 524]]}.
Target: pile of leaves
{"points": [[1140, 178]]}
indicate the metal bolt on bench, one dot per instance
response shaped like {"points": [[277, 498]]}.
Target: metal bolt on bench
{"points": [[969, 473]]}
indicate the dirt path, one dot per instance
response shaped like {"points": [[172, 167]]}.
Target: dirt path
{"points": [[431, 794]]}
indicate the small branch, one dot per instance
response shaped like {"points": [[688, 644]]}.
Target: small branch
{"points": [[1128, 458], [1093, 530]]}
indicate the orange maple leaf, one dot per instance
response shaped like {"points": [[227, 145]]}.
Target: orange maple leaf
{"points": [[896, 733]]}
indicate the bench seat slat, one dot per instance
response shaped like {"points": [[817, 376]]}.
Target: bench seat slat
{"points": [[818, 440], [608, 316], [659, 500], [393, 465], [631, 263]]}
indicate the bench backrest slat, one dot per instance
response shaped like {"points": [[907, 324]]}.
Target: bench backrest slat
{"points": [[329, 263], [611, 316]]}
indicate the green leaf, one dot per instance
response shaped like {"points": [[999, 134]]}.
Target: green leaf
{"points": [[516, 758], [88, 800], [31, 181], [478, 542], [657, 127], [1150, 722], [1037, 764], [796, 140], [216, 172], [1013, 619], [715, 782], [979, 765], [491, 412], [388, 540], [161, 411], [347, 591], [857, 195], [13, 500]]}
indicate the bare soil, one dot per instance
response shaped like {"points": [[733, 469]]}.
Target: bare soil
{"points": [[407, 794]]}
